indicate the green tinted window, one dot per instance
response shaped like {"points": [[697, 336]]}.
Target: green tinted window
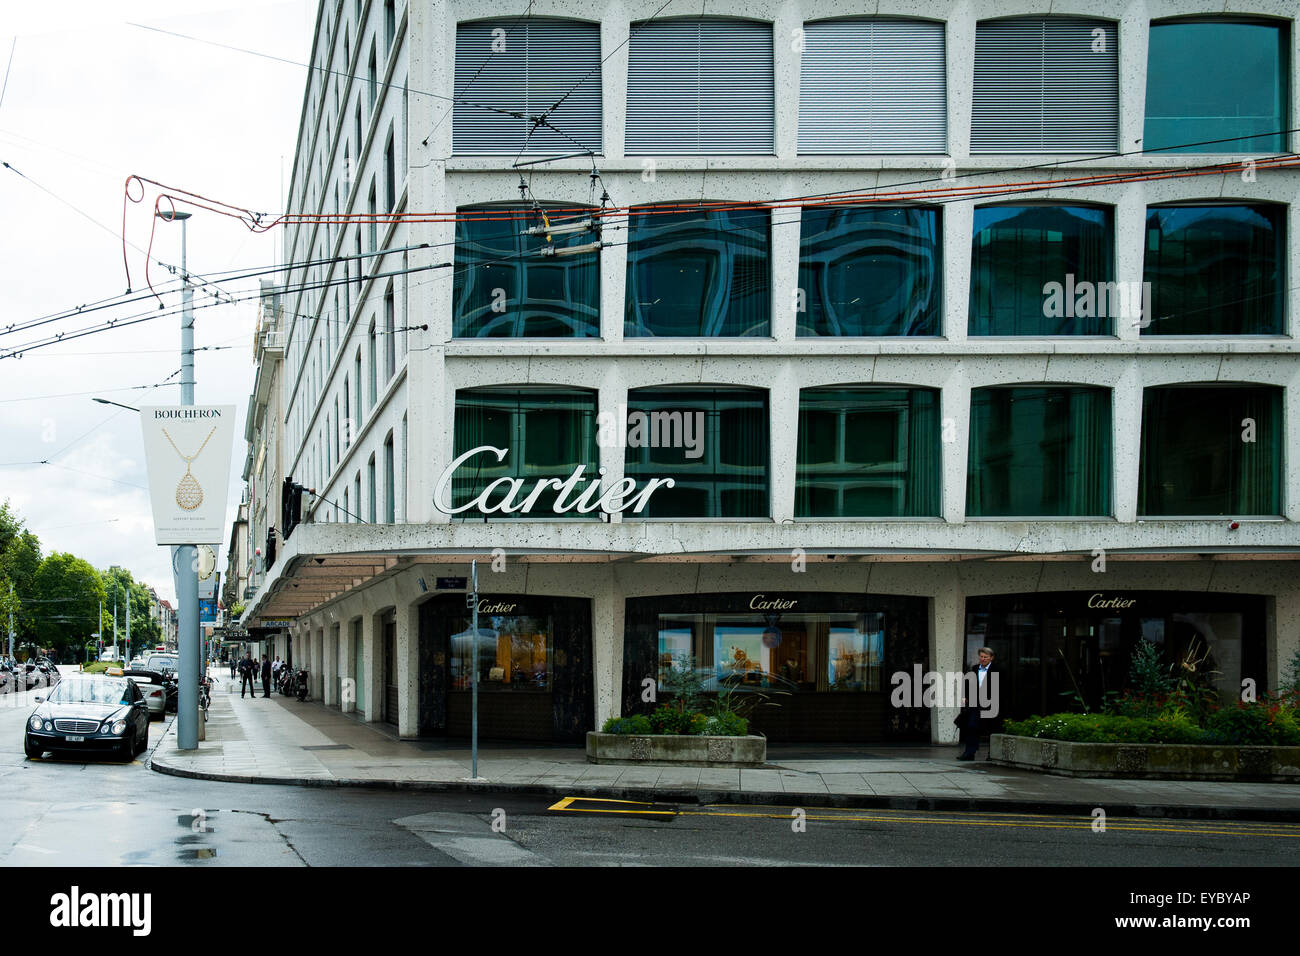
{"points": [[1215, 270], [1039, 451], [548, 434], [713, 444], [1042, 270], [698, 273], [1211, 450], [868, 453], [1215, 81], [873, 271], [504, 286]]}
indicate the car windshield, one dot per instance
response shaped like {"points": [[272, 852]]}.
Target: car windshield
{"points": [[161, 663], [102, 691]]}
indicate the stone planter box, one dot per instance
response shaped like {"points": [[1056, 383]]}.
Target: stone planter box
{"points": [[676, 749], [1148, 761]]}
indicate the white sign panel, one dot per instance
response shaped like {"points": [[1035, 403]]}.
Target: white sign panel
{"points": [[187, 449]]}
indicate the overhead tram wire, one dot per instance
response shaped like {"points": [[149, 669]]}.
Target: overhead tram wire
{"points": [[990, 192], [83, 310], [451, 109], [1284, 160], [89, 218]]}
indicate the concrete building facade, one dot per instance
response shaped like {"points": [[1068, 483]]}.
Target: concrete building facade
{"points": [[904, 457]]}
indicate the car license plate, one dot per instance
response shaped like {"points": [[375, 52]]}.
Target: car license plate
{"points": [[75, 740]]}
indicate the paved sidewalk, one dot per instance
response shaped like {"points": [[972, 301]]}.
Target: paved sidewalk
{"points": [[284, 741]]}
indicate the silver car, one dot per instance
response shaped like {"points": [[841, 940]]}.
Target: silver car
{"points": [[153, 685]]}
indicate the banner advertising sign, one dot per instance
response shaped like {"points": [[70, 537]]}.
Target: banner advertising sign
{"points": [[187, 451]]}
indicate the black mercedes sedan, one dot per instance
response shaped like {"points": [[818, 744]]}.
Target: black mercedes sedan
{"points": [[90, 712]]}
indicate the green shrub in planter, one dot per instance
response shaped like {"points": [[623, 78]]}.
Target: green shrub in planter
{"points": [[637, 724], [1257, 725], [726, 725]]}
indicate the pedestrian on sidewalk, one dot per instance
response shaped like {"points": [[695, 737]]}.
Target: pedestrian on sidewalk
{"points": [[266, 677], [233, 665], [247, 674], [979, 716]]}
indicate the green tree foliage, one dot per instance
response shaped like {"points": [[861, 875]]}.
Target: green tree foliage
{"points": [[20, 557], [67, 592]]}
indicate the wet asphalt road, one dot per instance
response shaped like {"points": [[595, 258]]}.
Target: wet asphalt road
{"points": [[90, 811]]}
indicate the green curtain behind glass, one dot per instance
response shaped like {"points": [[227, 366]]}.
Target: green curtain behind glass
{"points": [[1018, 250], [891, 471], [548, 434], [1195, 459], [1216, 270], [730, 477], [1039, 451]]}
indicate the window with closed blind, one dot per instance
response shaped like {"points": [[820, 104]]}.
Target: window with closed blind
{"points": [[873, 86], [700, 86], [1045, 85], [511, 71]]}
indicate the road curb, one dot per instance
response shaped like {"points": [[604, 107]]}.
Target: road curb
{"points": [[841, 801]]}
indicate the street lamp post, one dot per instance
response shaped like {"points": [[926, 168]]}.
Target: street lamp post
{"points": [[187, 591]]}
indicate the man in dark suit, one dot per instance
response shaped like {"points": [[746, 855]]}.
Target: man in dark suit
{"points": [[980, 708], [248, 675], [266, 677]]}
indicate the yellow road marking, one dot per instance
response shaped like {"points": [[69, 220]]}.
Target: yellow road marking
{"points": [[1050, 822]]}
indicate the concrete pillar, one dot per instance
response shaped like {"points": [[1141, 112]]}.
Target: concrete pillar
{"points": [[408, 669], [331, 669], [316, 672], [347, 666], [947, 635], [607, 651], [371, 658]]}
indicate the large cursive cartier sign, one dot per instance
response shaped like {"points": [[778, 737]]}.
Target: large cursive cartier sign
{"points": [[761, 602], [616, 498]]}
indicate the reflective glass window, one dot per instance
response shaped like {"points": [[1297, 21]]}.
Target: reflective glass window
{"points": [[870, 271], [1209, 82], [1216, 270], [1039, 450], [698, 273], [868, 453], [548, 434], [1211, 450], [505, 285], [712, 443], [1043, 270]]}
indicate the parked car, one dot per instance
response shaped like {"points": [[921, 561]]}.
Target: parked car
{"points": [[153, 685], [91, 712], [165, 663]]}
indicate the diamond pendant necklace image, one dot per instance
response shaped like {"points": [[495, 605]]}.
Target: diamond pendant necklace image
{"points": [[189, 495]]}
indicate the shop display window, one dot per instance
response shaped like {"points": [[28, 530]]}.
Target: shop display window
{"points": [[775, 653], [514, 653]]}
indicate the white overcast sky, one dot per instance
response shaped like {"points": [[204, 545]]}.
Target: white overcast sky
{"points": [[91, 99]]}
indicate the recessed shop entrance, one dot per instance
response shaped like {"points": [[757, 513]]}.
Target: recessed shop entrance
{"points": [[534, 667], [1054, 647]]}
